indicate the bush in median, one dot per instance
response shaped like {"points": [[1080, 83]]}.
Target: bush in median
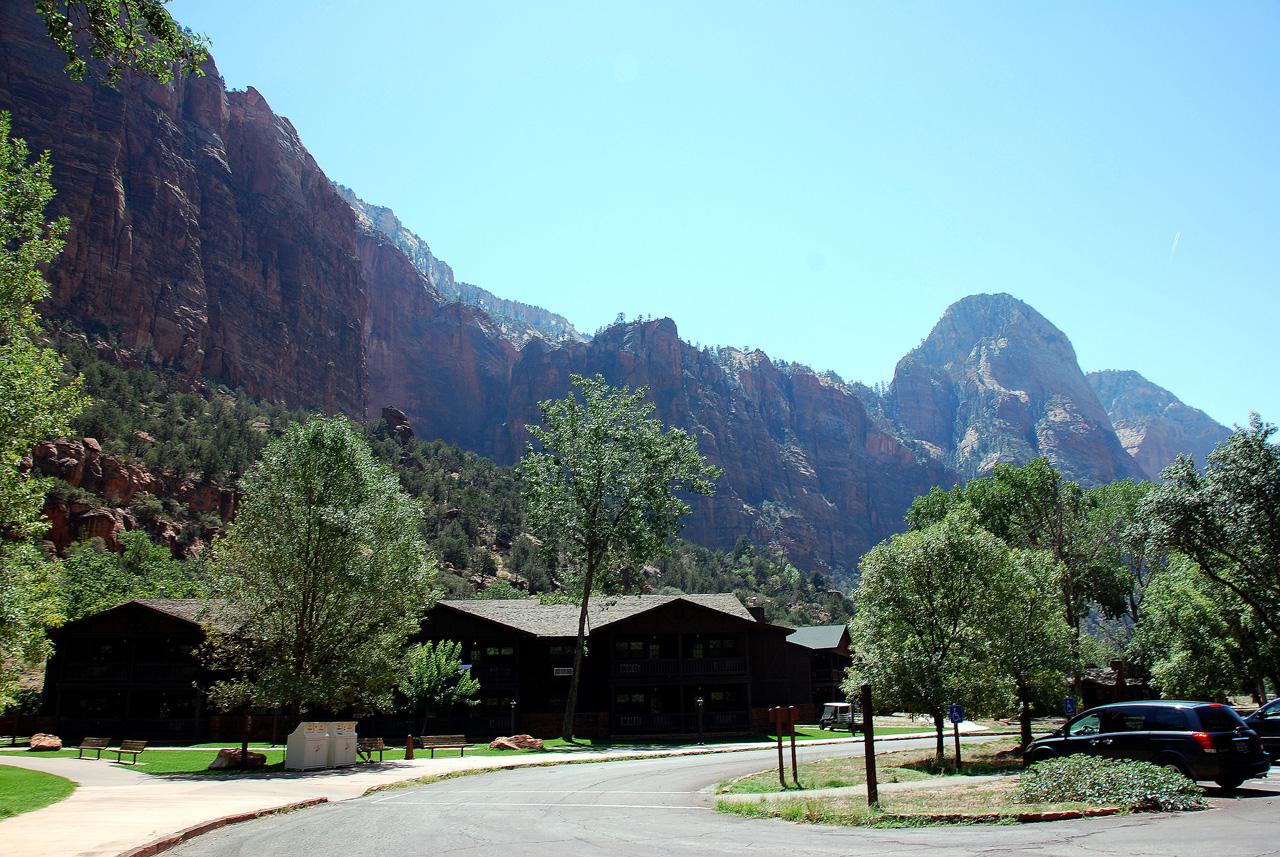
{"points": [[1107, 782]]}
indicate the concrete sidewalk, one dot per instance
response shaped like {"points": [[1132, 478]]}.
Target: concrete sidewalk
{"points": [[116, 808]]}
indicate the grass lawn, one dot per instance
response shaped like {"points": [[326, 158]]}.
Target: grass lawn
{"points": [[901, 767], [22, 790], [905, 808], [196, 759], [937, 790]]}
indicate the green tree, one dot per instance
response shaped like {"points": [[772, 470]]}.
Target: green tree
{"points": [[604, 491], [139, 35], [1228, 518], [433, 679], [36, 401], [947, 615], [95, 579], [1199, 640], [324, 576], [1031, 507]]}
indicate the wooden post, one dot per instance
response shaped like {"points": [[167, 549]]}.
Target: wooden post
{"points": [[776, 713], [408, 749], [956, 728], [868, 736], [791, 717]]}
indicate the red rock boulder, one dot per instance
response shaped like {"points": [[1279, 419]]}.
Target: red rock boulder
{"points": [[44, 743], [516, 742], [229, 758]]}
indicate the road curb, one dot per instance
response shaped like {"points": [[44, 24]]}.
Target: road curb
{"points": [[164, 843]]}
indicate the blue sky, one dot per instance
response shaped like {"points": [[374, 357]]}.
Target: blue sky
{"points": [[818, 180]]}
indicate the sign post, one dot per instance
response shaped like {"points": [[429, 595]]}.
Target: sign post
{"points": [[869, 744], [791, 718], [957, 717]]}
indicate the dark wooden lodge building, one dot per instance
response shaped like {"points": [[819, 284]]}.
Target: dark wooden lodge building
{"points": [[131, 671]]}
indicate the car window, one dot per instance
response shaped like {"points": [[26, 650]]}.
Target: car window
{"points": [[1090, 724], [1157, 719], [1270, 711], [1218, 718], [1123, 721]]}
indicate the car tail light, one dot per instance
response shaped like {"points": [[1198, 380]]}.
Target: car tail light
{"points": [[1205, 740]]}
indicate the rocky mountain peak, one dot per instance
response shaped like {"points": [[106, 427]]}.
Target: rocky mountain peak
{"points": [[995, 381], [1153, 425]]}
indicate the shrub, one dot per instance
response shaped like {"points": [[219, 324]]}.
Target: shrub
{"points": [[1107, 782]]}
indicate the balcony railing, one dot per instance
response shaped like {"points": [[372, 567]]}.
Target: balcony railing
{"points": [[138, 672], [659, 667], [671, 667]]}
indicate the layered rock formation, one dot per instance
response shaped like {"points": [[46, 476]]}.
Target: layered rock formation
{"points": [[1152, 423], [519, 322], [202, 228], [995, 381]]}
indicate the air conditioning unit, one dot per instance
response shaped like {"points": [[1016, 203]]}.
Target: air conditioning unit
{"points": [[562, 671]]}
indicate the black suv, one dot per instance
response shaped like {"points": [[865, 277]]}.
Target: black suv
{"points": [[1204, 741]]}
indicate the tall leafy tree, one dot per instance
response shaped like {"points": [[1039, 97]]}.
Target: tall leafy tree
{"points": [[138, 35], [947, 615], [324, 576], [433, 679], [1032, 507], [1199, 640], [36, 401], [604, 491], [1228, 518]]}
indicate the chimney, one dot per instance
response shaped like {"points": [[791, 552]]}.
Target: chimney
{"points": [[1117, 667], [756, 612]]}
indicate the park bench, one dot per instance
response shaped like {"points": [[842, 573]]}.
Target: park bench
{"points": [[366, 747], [98, 744], [134, 747], [445, 742]]}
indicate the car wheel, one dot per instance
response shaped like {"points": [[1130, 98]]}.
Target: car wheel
{"points": [[1042, 755], [1169, 762], [1230, 783]]}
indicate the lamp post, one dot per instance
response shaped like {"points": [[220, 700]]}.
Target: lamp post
{"points": [[513, 717], [701, 704]]}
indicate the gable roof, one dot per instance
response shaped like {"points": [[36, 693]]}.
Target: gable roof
{"points": [[819, 636], [561, 620]]}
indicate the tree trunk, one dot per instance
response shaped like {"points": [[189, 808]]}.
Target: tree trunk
{"points": [[941, 728], [571, 703], [244, 738]]}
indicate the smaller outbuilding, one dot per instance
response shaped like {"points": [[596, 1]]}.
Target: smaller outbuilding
{"points": [[829, 656]]}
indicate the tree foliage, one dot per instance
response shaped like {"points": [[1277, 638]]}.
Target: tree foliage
{"points": [[36, 401], [324, 576], [947, 615], [139, 35], [604, 493], [433, 679], [1032, 507], [1228, 518]]}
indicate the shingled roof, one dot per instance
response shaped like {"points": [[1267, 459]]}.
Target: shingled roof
{"points": [[561, 620], [818, 636]]}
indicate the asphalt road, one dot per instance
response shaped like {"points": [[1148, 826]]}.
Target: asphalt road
{"points": [[663, 808]]}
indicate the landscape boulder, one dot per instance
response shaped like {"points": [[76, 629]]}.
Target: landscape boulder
{"points": [[516, 742], [230, 758], [43, 742]]}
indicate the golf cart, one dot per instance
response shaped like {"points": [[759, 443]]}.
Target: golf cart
{"points": [[838, 715]]}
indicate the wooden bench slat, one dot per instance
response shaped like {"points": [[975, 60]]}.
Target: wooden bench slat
{"points": [[98, 744], [134, 747], [445, 742]]}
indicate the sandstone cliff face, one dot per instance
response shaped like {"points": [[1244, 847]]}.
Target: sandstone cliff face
{"points": [[200, 226], [803, 464], [995, 381], [518, 322], [1154, 426]]}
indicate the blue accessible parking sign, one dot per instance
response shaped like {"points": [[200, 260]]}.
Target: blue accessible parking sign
{"points": [[1069, 706], [957, 714]]}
